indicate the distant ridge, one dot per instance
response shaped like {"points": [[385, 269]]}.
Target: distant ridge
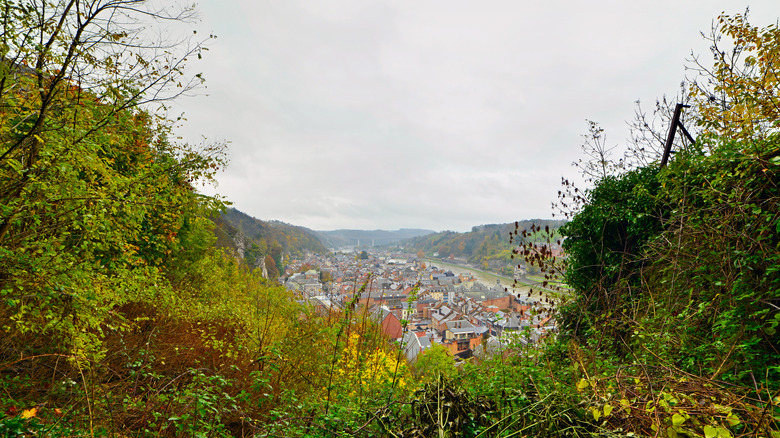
{"points": [[367, 238]]}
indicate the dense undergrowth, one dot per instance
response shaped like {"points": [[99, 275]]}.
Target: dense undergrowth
{"points": [[119, 317]]}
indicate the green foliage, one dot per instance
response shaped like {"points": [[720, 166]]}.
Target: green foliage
{"points": [[433, 363], [120, 317], [206, 402], [605, 243], [737, 97], [96, 204], [101, 221], [683, 263], [715, 267]]}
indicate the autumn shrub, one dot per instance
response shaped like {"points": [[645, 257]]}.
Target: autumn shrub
{"points": [[677, 270], [714, 277], [433, 363]]}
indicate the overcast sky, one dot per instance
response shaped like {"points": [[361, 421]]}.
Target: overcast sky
{"points": [[428, 114]]}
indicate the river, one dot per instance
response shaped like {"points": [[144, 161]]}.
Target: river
{"points": [[488, 278]]}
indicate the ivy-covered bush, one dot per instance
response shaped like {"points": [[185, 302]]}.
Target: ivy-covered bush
{"points": [[714, 273], [605, 243]]}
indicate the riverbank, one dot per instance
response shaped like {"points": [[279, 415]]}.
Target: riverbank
{"points": [[523, 287], [489, 278]]}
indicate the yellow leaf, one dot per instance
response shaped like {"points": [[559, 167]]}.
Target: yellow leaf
{"points": [[582, 384], [607, 410], [29, 413]]}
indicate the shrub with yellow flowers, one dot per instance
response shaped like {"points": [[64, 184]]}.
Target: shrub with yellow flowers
{"points": [[368, 374]]}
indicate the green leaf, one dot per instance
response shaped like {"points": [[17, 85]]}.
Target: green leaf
{"points": [[723, 432], [710, 432], [677, 420], [16, 165]]}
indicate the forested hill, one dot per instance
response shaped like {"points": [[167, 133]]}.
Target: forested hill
{"points": [[341, 238], [486, 246], [274, 236]]}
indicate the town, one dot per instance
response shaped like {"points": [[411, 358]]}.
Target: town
{"points": [[417, 304]]}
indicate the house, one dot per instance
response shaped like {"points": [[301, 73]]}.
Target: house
{"points": [[415, 343], [308, 287], [460, 336], [323, 305], [391, 299], [440, 316], [504, 322], [391, 325]]}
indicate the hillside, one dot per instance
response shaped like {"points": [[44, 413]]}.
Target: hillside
{"points": [[485, 246], [274, 236]]}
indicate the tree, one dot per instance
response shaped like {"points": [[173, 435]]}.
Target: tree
{"points": [[97, 206], [739, 96], [270, 266], [599, 162], [434, 363], [71, 51]]}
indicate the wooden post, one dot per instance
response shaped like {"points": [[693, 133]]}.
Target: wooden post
{"points": [[672, 130]]}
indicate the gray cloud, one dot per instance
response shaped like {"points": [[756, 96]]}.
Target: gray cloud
{"points": [[444, 115]]}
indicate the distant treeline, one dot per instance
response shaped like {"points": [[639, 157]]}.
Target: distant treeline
{"points": [[341, 238], [485, 246]]}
